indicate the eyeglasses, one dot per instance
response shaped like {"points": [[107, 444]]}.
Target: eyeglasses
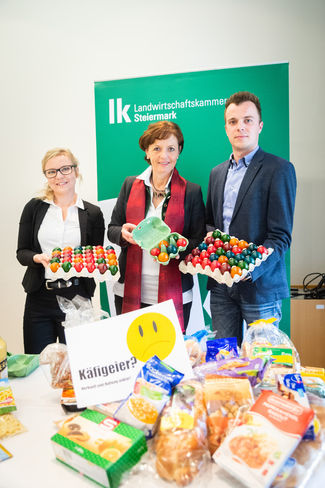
{"points": [[64, 170]]}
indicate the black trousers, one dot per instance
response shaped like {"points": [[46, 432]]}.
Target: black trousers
{"points": [[43, 317], [186, 309]]}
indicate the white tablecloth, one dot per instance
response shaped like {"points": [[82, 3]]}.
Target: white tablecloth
{"points": [[33, 464]]}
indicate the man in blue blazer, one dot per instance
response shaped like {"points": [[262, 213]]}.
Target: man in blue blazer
{"points": [[251, 196]]}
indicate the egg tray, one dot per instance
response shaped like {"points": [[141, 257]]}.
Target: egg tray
{"points": [[151, 231], [84, 273], [216, 274]]}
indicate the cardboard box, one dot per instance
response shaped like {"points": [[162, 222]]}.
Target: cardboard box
{"points": [[99, 447]]}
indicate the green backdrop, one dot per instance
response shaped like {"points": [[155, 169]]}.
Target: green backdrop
{"points": [[195, 101]]}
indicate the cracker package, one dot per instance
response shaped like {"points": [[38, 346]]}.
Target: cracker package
{"points": [[255, 451], [152, 390], [99, 447], [10, 425], [226, 400], [7, 401]]}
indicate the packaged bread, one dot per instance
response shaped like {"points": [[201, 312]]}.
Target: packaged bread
{"points": [[181, 443], [226, 400], [56, 357]]}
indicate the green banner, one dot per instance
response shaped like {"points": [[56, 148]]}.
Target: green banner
{"points": [[195, 101]]}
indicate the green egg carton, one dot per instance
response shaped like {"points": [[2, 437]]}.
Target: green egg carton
{"points": [[151, 231], [20, 365]]}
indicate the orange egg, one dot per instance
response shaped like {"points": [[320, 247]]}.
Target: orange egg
{"points": [[223, 259], [163, 257], [165, 243], [235, 270], [243, 244], [54, 267], [233, 241]]}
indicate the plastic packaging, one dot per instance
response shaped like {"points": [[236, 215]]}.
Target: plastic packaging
{"points": [[152, 389], [264, 340], [10, 425], [7, 401], [223, 348], [181, 443], [3, 359], [194, 345], [79, 311], [20, 365], [58, 373], [226, 400]]}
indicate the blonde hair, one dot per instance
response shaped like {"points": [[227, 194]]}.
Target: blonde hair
{"points": [[47, 193]]}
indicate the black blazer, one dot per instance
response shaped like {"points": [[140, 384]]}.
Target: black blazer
{"points": [[263, 214], [194, 224], [92, 230]]}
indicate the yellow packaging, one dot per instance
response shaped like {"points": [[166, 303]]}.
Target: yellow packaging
{"points": [[3, 359]]}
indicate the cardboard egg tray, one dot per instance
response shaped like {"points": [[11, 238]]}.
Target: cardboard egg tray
{"points": [[84, 273], [151, 231], [216, 274]]}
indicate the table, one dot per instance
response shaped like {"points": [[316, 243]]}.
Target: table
{"points": [[33, 464]]}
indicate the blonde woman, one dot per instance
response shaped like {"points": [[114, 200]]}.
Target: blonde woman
{"points": [[58, 218]]}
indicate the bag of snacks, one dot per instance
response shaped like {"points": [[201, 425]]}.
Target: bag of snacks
{"points": [[152, 390], [226, 400], [266, 341], [223, 348], [253, 369], [58, 373], [10, 425], [194, 345], [7, 401], [181, 443]]}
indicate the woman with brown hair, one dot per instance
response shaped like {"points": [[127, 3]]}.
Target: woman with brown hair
{"points": [[159, 191], [57, 218]]}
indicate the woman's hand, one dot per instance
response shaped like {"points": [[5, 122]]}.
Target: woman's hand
{"points": [[42, 259], [127, 233]]}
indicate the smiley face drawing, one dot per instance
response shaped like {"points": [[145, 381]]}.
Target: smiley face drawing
{"points": [[151, 334]]}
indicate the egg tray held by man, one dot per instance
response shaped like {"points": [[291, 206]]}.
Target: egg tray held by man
{"points": [[153, 235], [84, 261], [224, 258]]}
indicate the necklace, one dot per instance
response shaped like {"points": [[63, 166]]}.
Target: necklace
{"points": [[157, 193]]}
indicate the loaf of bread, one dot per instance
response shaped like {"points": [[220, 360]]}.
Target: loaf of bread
{"points": [[181, 443]]}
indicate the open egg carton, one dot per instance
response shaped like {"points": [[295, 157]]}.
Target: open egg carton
{"points": [[84, 262], [224, 258], [153, 235]]}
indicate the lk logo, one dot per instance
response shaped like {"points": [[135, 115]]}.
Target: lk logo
{"points": [[121, 112]]}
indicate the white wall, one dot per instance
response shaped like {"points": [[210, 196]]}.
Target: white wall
{"points": [[52, 52]]}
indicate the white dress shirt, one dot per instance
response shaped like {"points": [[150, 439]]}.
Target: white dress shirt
{"points": [[56, 232]]}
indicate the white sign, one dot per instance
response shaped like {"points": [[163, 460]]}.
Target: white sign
{"points": [[106, 356]]}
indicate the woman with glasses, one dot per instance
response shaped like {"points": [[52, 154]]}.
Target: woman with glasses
{"points": [[58, 218]]}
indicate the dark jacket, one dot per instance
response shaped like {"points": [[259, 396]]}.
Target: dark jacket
{"points": [[194, 223], [263, 214], [92, 230]]}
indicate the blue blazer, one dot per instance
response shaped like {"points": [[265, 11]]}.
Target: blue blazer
{"points": [[263, 214]]}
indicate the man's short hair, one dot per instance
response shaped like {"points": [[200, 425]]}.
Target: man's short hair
{"points": [[244, 96]]}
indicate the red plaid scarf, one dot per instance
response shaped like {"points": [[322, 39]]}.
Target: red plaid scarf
{"points": [[170, 283]]}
